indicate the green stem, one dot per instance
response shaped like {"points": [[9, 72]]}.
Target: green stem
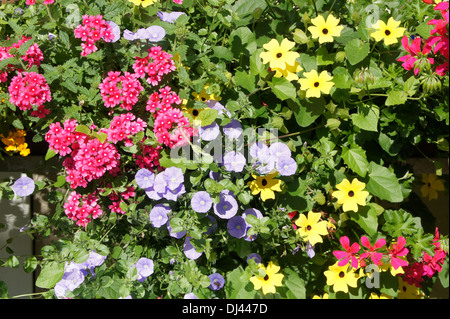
{"points": [[49, 14]]}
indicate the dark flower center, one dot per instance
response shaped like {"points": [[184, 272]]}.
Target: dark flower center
{"points": [[308, 227], [264, 182], [279, 55], [387, 32], [351, 194], [341, 274], [316, 84], [266, 277], [325, 31], [195, 112]]}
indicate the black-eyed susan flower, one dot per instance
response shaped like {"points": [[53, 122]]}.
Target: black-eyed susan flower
{"points": [[206, 95], [389, 32], [431, 186], [278, 55], [325, 30], [271, 279], [407, 291], [350, 195], [144, 3], [311, 228], [265, 185], [341, 277], [315, 84], [290, 72]]}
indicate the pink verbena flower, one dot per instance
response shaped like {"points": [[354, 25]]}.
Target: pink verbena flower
{"points": [[148, 157], [163, 100], [372, 251], [91, 30], [121, 90], [123, 126], [178, 1], [398, 250], [82, 208], [172, 128], [28, 89], [60, 138], [349, 254], [154, 66]]}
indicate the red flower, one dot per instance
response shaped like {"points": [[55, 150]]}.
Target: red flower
{"points": [[398, 250], [349, 253], [374, 256], [291, 216]]}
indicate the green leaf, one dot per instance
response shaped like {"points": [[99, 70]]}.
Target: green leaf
{"points": [[245, 80], [50, 274], [366, 118], [294, 283], [355, 158], [238, 285], [207, 116], [400, 223], [307, 111], [367, 218], [356, 51], [283, 89], [50, 153], [396, 98], [384, 184]]}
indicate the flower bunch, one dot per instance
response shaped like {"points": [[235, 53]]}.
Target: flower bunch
{"points": [[28, 89], [122, 90], [91, 30], [123, 126], [82, 208], [154, 66], [15, 142]]}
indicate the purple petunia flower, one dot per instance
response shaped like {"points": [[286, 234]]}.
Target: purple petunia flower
{"points": [[23, 186], [234, 161], [158, 215], [217, 281], [233, 129], [173, 177], [144, 268], [217, 106], [144, 178], [155, 33], [286, 166], [252, 211], [237, 227], [178, 235], [209, 132], [115, 29], [227, 206], [256, 257], [174, 194], [151, 193], [310, 250], [94, 260], [279, 150], [190, 295], [128, 35], [71, 279], [189, 250], [201, 202], [258, 150], [169, 17]]}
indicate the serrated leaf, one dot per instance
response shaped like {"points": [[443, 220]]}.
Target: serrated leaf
{"points": [[396, 98]]}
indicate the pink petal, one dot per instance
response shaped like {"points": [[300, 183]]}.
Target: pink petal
{"points": [[345, 242]]}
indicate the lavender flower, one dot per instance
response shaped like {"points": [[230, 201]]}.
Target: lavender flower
{"points": [[227, 206], [158, 215], [23, 186], [115, 29], [209, 132], [144, 178], [173, 177], [233, 129], [310, 250], [189, 250], [279, 150], [256, 257], [72, 278], [217, 281], [169, 17], [201, 202], [128, 35], [237, 227], [144, 268], [190, 295], [178, 235], [234, 161], [94, 260], [286, 166], [219, 107], [155, 33], [252, 211]]}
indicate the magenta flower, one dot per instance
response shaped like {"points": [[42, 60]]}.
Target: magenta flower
{"points": [[349, 253], [415, 53], [371, 252], [398, 250]]}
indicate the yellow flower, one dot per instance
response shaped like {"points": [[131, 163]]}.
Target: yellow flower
{"points": [[407, 291], [310, 228], [432, 186], [290, 73], [388, 32], [15, 142], [325, 296], [266, 185], [270, 280], [315, 84], [351, 195], [279, 55], [22, 148], [204, 95], [341, 277], [381, 296], [144, 3], [325, 30]]}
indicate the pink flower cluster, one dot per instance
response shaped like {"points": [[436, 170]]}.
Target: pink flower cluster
{"points": [[31, 2], [178, 1], [89, 158], [33, 56], [171, 127], [122, 126], [117, 198], [82, 208], [93, 29], [415, 273], [123, 90], [351, 252], [148, 157], [437, 43], [28, 89], [155, 65]]}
